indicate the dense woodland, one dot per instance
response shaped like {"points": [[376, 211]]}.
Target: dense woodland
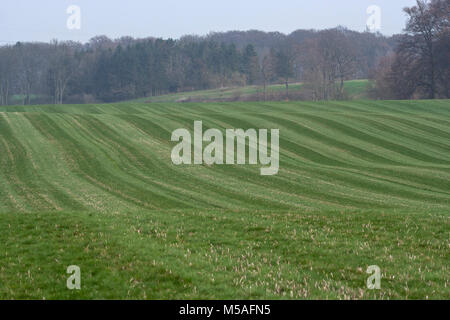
{"points": [[412, 65]]}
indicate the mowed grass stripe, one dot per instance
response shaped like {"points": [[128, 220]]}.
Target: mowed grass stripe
{"points": [[103, 146], [32, 190], [89, 167], [329, 194], [410, 135], [377, 141]]}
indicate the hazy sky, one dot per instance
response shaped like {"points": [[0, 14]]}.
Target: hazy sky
{"points": [[43, 20]]}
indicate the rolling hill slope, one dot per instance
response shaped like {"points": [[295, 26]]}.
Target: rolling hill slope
{"points": [[360, 183], [347, 155]]}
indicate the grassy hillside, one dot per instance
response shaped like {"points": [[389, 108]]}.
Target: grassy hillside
{"points": [[360, 183], [355, 89]]}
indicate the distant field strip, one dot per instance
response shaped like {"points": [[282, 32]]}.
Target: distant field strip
{"points": [[334, 156], [354, 89]]}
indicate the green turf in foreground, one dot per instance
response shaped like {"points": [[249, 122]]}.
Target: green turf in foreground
{"points": [[360, 183], [222, 254]]}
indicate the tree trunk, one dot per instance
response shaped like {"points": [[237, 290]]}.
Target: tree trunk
{"points": [[265, 96], [4, 93], [432, 83], [287, 90]]}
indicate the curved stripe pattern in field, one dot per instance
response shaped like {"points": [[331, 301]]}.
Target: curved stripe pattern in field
{"points": [[333, 156]]}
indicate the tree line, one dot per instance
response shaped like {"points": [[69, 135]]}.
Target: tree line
{"points": [[106, 70], [412, 65]]}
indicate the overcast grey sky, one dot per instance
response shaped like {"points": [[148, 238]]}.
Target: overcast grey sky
{"points": [[43, 20]]}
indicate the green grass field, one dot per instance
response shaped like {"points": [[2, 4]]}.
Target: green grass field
{"points": [[360, 183], [355, 89]]}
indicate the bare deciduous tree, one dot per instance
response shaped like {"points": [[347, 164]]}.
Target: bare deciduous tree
{"points": [[284, 65], [329, 59], [6, 73], [267, 71], [62, 68], [421, 65]]}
